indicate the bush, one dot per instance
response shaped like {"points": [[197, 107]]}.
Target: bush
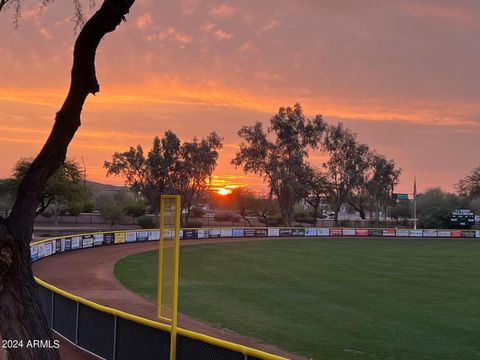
{"points": [[223, 216], [193, 224], [197, 211], [135, 209], [145, 222], [88, 207], [345, 223], [75, 209]]}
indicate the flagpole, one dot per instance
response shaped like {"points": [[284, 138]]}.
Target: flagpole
{"points": [[415, 203]]}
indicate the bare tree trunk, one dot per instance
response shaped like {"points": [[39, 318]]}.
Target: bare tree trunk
{"points": [[21, 317]]}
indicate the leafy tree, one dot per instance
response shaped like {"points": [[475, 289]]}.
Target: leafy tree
{"points": [[346, 168], [376, 182], [21, 316], [401, 211], [469, 186], [150, 176], [65, 189], [246, 203], [111, 210], [169, 168], [135, 209], [198, 161], [434, 208], [315, 188], [281, 161]]}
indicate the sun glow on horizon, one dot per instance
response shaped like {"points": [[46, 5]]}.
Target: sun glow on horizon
{"points": [[224, 191]]}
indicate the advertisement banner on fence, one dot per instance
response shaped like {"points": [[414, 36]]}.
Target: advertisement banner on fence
{"points": [[348, 232], [429, 233], [336, 232], [130, 236], [456, 233], [226, 232], [202, 233], [190, 234], [87, 241], [237, 232], [375, 232], [58, 245], [119, 237], [260, 232], [41, 251], [311, 232], [168, 233], [477, 233], [67, 244], [361, 232], [468, 233], [108, 238], [249, 232], [443, 233], [323, 232], [401, 232], [298, 232], [34, 252], [214, 233], [415, 233], [153, 235], [48, 248], [142, 235], [285, 232], [273, 232], [97, 239], [76, 242], [389, 232]]}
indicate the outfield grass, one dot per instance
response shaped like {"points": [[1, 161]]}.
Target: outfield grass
{"points": [[333, 299]]}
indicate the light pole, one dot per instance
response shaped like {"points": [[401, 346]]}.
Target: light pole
{"points": [[415, 203]]}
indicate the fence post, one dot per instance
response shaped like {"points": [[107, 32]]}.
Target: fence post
{"points": [[76, 324], [52, 304], [114, 353]]}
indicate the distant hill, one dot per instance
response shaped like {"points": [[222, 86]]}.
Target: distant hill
{"points": [[96, 187]]}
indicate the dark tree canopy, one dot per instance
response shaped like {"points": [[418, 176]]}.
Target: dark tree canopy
{"points": [[64, 189], [150, 175], [434, 208], [374, 190], [169, 168], [469, 186], [281, 161], [346, 167]]}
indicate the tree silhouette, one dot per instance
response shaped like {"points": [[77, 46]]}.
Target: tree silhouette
{"points": [[21, 316]]}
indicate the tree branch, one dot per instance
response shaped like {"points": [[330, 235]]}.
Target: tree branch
{"points": [[3, 3]]}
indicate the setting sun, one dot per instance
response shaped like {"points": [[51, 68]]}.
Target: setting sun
{"points": [[223, 191]]}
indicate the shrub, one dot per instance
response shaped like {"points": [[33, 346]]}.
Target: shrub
{"points": [[145, 222], [197, 211], [193, 224], [135, 209], [223, 216]]}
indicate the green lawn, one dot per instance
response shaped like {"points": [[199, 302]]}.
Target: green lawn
{"points": [[333, 299]]}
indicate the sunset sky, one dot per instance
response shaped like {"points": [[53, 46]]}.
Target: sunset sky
{"points": [[404, 75]]}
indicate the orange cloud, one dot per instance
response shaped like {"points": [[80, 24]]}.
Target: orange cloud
{"points": [[143, 21], [222, 11]]}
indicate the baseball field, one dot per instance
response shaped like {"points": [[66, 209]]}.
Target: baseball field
{"points": [[332, 298]]}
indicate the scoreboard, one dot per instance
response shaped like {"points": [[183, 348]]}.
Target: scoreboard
{"points": [[462, 218]]}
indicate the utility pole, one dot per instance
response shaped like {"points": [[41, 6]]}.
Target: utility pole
{"points": [[415, 202]]}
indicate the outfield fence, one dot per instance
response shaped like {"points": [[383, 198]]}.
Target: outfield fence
{"points": [[113, 334]]}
